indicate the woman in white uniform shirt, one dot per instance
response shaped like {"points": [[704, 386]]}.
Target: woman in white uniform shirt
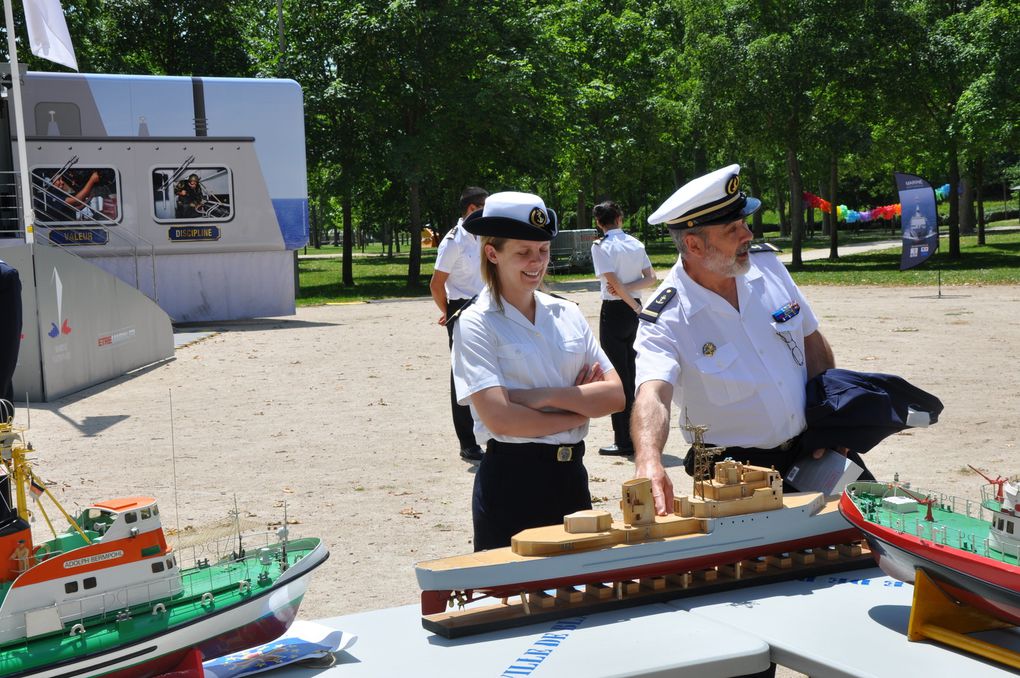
{"points": [[529, 366]]}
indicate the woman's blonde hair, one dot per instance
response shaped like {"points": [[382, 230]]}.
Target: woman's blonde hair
{"points": [[490, 273]]}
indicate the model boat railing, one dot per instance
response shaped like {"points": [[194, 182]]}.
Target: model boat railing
{"points": [[100, 607], [935, 531]]}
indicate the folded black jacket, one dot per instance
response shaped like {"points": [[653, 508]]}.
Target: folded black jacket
{"points": [[857, 410]]}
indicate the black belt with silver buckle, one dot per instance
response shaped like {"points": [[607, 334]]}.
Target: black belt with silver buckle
{"points": [[538, 451]]}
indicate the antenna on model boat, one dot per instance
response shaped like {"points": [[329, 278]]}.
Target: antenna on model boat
{"points": [[702, 455], [237, 524], [173, 461], [282, 534]]}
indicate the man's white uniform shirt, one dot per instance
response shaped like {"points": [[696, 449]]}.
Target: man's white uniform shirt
{"points": [[621, 254], [460, 256], [502, 348], [731, 370]]}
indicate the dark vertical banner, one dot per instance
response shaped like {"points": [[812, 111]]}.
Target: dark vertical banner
{"points": [[920, 220]]}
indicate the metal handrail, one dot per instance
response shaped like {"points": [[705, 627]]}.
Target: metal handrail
{"points": [[133, 241]]}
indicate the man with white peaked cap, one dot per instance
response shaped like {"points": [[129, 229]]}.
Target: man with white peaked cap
{"points": [[727, 336]]}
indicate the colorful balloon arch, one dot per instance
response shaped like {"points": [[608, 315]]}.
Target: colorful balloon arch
{"points": [[887, 212]]}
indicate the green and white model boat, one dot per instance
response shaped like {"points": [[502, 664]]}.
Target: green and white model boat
{"points": [[109, 597], [969, 548]]}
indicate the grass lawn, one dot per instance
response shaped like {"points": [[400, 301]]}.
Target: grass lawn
{"points": [[995, 263]]}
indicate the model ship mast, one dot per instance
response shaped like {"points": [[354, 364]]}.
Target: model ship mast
{"points": [[702, 456]]}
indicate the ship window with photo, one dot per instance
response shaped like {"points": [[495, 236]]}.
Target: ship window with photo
{"points": [[76, 195], [155, 510], [71, 587], [1009, 527], [146, 513], [157, 567], [89, 582], [192, 194]]}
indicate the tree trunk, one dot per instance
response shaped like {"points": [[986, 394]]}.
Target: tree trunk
{"points": [[348, 251], [315, 224], [966, 205], [784, 226], [582, 219], [954, 202], [833, 209], [754, 182], [414, 263], [796, 206], [979, 182]]}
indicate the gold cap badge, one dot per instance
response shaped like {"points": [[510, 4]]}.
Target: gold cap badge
{"points": [[708, 349]]}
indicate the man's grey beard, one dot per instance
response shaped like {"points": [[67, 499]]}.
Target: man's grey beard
{"points": [[718, 263]]}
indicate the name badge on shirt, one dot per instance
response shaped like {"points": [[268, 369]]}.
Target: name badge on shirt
{"points": [[786, 311]]}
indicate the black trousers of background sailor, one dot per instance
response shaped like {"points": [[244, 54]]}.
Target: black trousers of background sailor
{"points": [[523, 485], [618, 324], [463, 423], [10, 329]]}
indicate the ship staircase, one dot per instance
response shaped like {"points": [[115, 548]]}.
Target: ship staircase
{"points": [[82, 323]]}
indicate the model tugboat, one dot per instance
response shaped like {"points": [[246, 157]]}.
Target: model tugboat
{"points": [[738, 519], [109, 597], [968, 548]]}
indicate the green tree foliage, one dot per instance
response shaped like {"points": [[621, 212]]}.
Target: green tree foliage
{"points": [[408, 101]]}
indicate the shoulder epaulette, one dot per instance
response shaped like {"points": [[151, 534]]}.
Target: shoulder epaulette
{"points": [[597, 242], [652, 310], [759, 247], [461, 309], [452, 233]]}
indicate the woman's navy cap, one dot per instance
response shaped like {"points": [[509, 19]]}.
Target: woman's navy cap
{"points": [[519, 216], [711, 199]]}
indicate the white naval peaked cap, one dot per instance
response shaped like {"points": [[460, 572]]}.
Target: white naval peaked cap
{"points": [[510, 214], [714, 198]]}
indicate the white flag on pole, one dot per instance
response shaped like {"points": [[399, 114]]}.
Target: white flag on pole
{"points": [[47, 32]]}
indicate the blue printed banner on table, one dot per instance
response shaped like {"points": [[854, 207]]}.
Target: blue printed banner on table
{"points": [[303, 641], [920, 220]]}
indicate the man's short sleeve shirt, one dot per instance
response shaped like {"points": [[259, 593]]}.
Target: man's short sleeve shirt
{"points": [[741, 373], [460, 256]]}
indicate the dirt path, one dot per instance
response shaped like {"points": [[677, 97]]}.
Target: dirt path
{"points": [[342, 412]]}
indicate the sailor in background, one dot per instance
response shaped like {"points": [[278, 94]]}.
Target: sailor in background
{"points": [[10, 334], [728, 336], [623, 269], [456, 280], [533, 374]]}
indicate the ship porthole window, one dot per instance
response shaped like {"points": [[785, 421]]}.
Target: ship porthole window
{"points": [[146, 513], [89, 583], [169, 564], [130, 517], [155, 510], [157, 567], [1009, 527], [71, 587]]}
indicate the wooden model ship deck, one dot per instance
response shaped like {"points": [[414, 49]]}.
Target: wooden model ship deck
{"points": [[736, 529]]}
